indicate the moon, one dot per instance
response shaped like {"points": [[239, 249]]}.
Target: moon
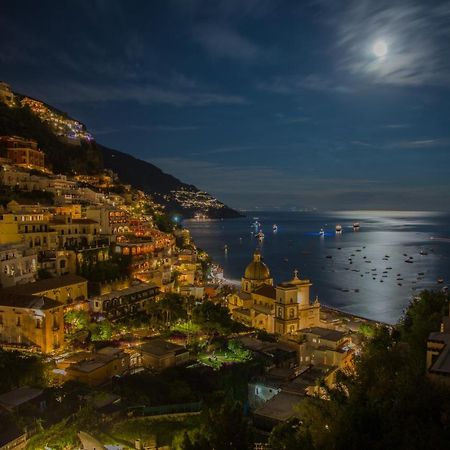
{"points": [[380, 49]]}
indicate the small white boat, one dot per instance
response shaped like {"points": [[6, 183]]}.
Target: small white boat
{"points": [[356, 226], [274, 227], [260, 235], [322, 232], [338, 228]]}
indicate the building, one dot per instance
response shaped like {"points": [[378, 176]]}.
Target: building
{"points": [[127, 302], [6, 95], [23, 152], [111, 220], [18, 265], [24, 397], [322, 346], [160, 354], [66, 290], [96, 368], [281, 309], [31, 322], [31, 228], [438, 353], [74, 233]]}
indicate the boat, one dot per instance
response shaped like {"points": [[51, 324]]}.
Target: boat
{"points": [[256, 225], [423, 252], [356, 226], [274, 227], [338, 228], [322, 232], [260, 236], [440, 280], [225, 247]]}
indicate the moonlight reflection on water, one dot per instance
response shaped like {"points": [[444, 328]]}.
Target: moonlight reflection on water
{"points": [[372, 272]]}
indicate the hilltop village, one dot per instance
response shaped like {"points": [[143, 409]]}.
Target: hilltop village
{"points": [[115, 329]]}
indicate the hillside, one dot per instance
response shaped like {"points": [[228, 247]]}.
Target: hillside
{"points": [[69, 148], [168, 190], [61, 157]]}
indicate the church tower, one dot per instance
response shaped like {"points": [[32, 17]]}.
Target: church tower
{"points": [[256, 274], [293, 309]]}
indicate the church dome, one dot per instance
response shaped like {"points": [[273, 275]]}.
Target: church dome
{"points": [[257, 270]]}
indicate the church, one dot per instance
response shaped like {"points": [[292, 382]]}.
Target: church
{"points": [[281, 309]]}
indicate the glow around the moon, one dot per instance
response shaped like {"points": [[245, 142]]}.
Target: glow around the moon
{"points": [[380, 49]]}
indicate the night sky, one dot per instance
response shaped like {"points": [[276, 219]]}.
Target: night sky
{"points": [[326, 104]]}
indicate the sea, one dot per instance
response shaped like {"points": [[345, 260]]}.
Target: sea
{"points": [[372, 272]]}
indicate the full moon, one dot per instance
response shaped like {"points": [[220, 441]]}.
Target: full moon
{"points": [[380, 49]]}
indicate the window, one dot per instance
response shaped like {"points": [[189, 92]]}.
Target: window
{"points": [[18, 322]]}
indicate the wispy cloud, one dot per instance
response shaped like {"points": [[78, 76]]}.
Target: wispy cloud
{"points": [[225, 42], [75, 92], [144, 128], [265, 186], [221, 150], [289, 85], [416, 34], [151, 128], [293, 120], [396, 125], [424, 143], [411, 144]]}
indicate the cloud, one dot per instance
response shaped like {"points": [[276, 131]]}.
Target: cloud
{"points": [[264, 186], [164, 127], [289, 85], [416, 33], [396, 125], [221, 150], [225, 42], [146, 94], [412, 144], [144, 128], [424, 143]]}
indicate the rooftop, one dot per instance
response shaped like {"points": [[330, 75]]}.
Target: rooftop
{"points": [[43, 285], [281, 407], [160, 347], [127, 291], [266, 290], [17, 397], [442, 364], [26, 301], [324, 333]]}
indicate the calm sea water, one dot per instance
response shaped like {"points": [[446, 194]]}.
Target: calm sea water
{"points": [[363, 272]]}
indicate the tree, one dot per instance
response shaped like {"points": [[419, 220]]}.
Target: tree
{"points": [[19, 369], [223, 428], [387, 402], [212, 317], [101, 331], [78, 320]]}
